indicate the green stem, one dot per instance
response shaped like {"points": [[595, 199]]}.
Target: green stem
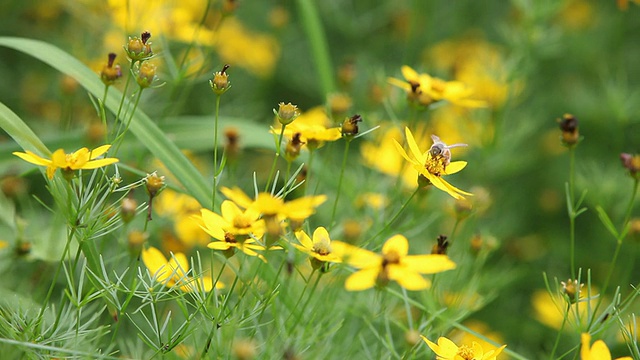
{"points": [[308, 177], [555, 345], [572, 211], [215, 154], [124, 92], [103, 114], [318, 41], [395, 217], [344, 164], [120, 137], [275, 159]]}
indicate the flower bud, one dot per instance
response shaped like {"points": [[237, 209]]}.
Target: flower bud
{"points": [[220, 82], [128, 209], [110, 73], [154, 184], [139, 49], [231, 146], [631, 163], [569, 127], [146, 75], [244, 349], [350, 125], [286, 113], [572, 289]]}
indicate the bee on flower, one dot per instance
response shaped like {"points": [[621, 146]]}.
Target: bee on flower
{"points": [[434, 163]]}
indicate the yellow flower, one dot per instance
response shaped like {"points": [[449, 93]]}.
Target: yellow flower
{"points": [[551, 310], [425, 89], [434, 163], [234, 229], [320, 247], [181, 208], [174, 271], [598, 351], [393, 264], [314, 127], [446, 349], [269, 205], [81, 159]]}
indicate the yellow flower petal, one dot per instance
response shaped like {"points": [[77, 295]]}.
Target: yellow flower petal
{"points": [[304, 239], [156, 263], [397, 244], [219, 245], [362, 280], [407, 279], [355, 256], [30, 157], [413, 146], [99, 151], [455, 166], [428, 264], [94, 164]]}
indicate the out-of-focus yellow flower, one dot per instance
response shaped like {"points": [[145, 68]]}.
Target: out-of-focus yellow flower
{"points": [[597, 351], [180, 208], [478, 64], [174, 272], [314, 127], [81, 159], [269, 205], [393, 264], [424, 89], [551, 310], [434, 163], [255, 52], [446, 349], [372, 200], [578, 14]]}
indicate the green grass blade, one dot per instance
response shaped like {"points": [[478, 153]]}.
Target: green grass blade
{"points": [[141, 126], [20, 132]]}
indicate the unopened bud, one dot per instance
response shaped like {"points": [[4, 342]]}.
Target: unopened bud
{"points": [[146, 75], [631, 163], [139, 49], [572, 289], [128, 209], [286, 113], [441, 246], [220, 82]]}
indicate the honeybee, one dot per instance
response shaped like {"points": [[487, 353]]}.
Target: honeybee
{"points": [[442, 150]]}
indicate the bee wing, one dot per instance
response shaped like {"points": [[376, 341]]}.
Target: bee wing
{"points": [[436, 140]]}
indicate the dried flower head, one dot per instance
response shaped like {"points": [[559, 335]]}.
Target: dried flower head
{"points": [[293, 148], [570, 132], [110, 72], [350, 125], [441, 246], [631, 163]]}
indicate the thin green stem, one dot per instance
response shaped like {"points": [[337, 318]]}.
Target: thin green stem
{"points": [[215, 154], [120, 137], [308, 176], [395, 217], [319, 46], [124, 92], [344, 165], [275, 159], [557, 342], [572, 211]]}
